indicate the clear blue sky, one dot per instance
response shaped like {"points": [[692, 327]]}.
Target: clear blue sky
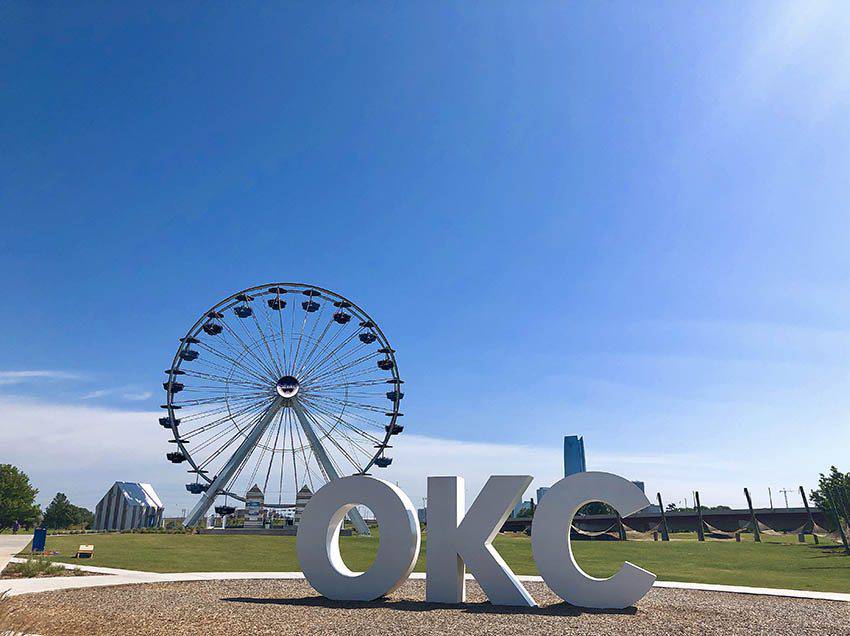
{"points": [[629, 222]]}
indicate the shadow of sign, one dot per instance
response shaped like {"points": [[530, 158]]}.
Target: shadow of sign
{"points": [[402, 605]]}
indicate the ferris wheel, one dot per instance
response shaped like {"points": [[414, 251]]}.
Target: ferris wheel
{"points": [[283, 385]]}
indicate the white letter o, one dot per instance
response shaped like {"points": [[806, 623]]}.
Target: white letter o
{"points": [[317, 544]]}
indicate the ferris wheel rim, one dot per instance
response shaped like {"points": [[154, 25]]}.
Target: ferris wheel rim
{"points": [[266, 290]]}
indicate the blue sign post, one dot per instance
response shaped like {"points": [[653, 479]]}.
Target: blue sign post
{"points": [[39, 539]]}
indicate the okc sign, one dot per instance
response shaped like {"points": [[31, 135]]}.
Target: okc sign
{"points": [[457, 541]]}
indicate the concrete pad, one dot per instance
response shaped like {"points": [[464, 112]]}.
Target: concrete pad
{"points": [[130, 577], [10, 545]]}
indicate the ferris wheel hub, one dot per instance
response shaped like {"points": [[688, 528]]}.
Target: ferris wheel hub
{"points": [[287, 386]]}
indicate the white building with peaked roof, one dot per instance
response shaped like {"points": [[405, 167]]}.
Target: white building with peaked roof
{"points": [[302, 498], [127, 506]]}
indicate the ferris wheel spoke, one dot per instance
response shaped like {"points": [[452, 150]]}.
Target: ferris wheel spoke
{"points": [[335, 427], [223, 398], [316, 343], [340, 369], [235, 462], [274, 449], [229, 417], [200, 415], [242, 363], [272, 357], [233, 425], [280, 365], [245, 347], [332, 439], [247, 418], [326, 464], [349, 418], [279, 308], [266, 372], [352, 359], [356, 405], [343, 393], [340, 359], [303, 446], [300, 338], [316, 322], [222, 379], [271, 375], [235, 353], [326, 347], [329, 354], [337, 385], [289, 426], [271, 362], [366, 373], [273, 453], [230, 374], [206, 460], [261, 455], [340, 421], [238, 389]]}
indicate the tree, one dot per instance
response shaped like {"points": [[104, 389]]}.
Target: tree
{"points": [[61, 514], [596, 508], [17, 498], [833, 494]]}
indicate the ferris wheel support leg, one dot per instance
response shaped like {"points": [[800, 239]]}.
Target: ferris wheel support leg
{"points": [[353, 514], [245, 448]]}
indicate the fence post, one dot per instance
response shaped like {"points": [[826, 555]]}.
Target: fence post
{"points": [[621, 528], [665, 532], [700, 527], [838, 521], [809, 512], [756, 534]]}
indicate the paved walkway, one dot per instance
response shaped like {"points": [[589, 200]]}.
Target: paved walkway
{"points": [[114, 576], [10, 545]]}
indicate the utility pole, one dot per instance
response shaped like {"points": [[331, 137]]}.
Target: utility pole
{"points": [[770, 496], [785, 492]]}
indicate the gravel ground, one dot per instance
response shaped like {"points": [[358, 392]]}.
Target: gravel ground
{"points": [[293, 607]]}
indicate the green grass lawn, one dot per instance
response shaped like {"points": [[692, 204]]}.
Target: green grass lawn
{"points": [[777, 562]]}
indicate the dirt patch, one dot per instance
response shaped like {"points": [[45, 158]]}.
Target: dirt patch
{"points": [[275, 607]]}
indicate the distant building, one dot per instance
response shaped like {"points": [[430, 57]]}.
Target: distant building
{"points": [[540, 492], [301, 498], [520, 506], [574, 455], [127, 506], [422, 515], [640, 485], [254, 500]]}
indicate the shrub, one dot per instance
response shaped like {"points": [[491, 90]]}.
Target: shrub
{"points": [[35, 567]]}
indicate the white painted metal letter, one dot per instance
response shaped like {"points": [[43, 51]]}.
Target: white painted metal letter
{"points": [[318, 538], [456, 541], [553, 553]]}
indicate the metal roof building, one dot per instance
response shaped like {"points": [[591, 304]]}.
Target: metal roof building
{"points": [[128, 505]]}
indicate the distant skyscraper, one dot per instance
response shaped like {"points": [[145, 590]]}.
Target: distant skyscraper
{"points": [[574, 455], [540, 492], [520, 506]]}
